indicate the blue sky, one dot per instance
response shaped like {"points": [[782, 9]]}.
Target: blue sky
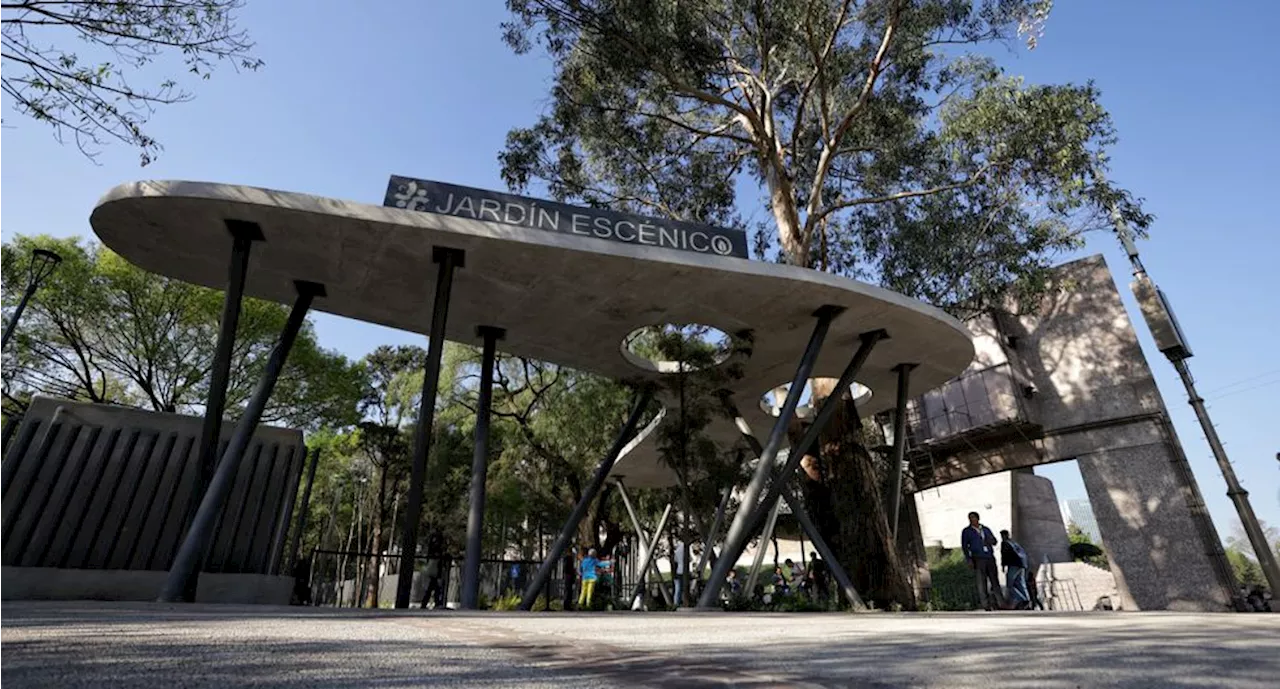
{"points": [[427, 89]]}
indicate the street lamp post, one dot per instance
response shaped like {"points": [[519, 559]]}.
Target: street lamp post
{"points": [[1171, 341], [43, 263]]}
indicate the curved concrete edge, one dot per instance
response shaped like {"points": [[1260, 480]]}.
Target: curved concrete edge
{"points": [[354, 210], [948, 332]]}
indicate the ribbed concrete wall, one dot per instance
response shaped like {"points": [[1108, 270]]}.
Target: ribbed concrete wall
{"points": [[105, 487]]}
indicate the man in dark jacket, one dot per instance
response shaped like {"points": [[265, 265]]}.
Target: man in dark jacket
{"points": [[978, 544], [1014, 560]]}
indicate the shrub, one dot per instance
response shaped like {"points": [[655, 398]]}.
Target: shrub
{"points": [[511, 602], [953, 587]]}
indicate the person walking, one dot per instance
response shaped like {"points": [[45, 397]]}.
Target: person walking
{"points": [[568, 571], [1014, 560], [818, 573], [434, 590], [589, 575], [681, 557], [1033, 588], [978, 544]]}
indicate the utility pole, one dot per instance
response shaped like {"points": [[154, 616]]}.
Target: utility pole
{"points": [[1168, 335]]}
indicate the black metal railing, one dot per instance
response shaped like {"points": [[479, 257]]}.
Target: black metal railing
{"points": [[338, 578], [975, 402]]}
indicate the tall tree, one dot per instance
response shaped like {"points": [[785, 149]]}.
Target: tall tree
{"points": [[883, 143], [72, 63], [102, 330], [1239, 539], [389, 405]]}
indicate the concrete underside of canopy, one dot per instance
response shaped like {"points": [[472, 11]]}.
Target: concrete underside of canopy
{"points": [[561, 298]]}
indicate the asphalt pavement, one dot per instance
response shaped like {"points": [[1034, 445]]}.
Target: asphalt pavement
{"points": [[88, 644]]}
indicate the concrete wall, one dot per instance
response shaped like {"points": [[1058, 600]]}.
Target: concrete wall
{"points": [[47, 583], [1093, 399], [1037, 524], [1022, 502], [944, 510], [100, 487]]}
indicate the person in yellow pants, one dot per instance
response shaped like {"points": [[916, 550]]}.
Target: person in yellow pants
{"points": [[587, 569]]}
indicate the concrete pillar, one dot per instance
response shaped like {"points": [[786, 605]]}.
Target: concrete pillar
{"points": [[1159, 561]]}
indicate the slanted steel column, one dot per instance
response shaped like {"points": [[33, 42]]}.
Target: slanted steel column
{"points": [[646, 544], [820, 545], [820, 421], [899, 447], [648, 562], [1239, 496], [765, 536], [448, 260], [740, 530], [779, 486], [194, 547], [479, 468], [710, 552], [643, 396], [243, 235]]}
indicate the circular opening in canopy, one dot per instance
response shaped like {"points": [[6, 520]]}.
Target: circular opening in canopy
{"points": [[676, 347], [772, 400]]}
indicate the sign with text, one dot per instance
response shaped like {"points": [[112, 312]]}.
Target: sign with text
{"points": [[479, 204]]}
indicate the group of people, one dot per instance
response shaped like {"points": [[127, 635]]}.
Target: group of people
{"points": [[788, 579], [979, 543]]}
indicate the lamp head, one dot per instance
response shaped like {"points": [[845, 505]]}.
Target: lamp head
{"points": [[43, 263]]}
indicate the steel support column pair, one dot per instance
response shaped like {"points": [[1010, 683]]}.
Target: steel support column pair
{"points": [[479, 468], [753, 577], [243, 235], [710, 538], [195, 546], [448, 260], [806, 524], [754, 510], [649, 554], [647, 545], [642, 398], [741, 528]]}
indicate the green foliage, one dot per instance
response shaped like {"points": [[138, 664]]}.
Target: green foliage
{"points": [[1246, 570], [691, 396], [953, 586], [1239, 539], [884, 144], [512, 602], [1083, 549], [103, 330], [93, 102]]}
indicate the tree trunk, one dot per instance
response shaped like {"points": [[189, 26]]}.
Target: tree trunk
{"points": [[373, 575], [842, 486]]}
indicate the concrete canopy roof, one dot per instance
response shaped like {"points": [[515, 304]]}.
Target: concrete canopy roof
{"points": [[563, 299]]}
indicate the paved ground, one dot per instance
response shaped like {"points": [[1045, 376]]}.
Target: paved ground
{"points": [[152, 645]]}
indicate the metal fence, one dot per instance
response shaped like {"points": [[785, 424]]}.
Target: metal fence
{"points": [[344, 579]]}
